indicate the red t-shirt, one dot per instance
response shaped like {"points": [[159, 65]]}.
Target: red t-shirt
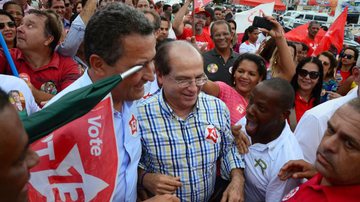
{"points": [[344, 75], [311, 44], [312, 191], [301, 106], [51, 78], [200, 39]]}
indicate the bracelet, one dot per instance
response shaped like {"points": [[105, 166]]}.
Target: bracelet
{"points": [[142, 178]]}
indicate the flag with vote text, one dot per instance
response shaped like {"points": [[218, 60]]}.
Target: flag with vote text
{"points": [[79, 161]]}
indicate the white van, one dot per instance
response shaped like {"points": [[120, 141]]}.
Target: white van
{"points": [[301, 17]]}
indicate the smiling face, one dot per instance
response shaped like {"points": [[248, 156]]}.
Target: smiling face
{"points": [[199, 21], [221, 36], [264, 114], [15, 11], [338, 155], [246, 77], [306, 83], [9, 30], [15, 156], [182, 98]]}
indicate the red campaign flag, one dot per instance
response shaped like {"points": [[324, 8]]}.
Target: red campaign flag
{"points": [[299, 34], [200, 3], [79, 161], [334, 36]]}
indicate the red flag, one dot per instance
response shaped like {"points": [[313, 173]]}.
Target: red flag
{"points": [[334, 36], [299, 34], [200, 3], [79, 161]]}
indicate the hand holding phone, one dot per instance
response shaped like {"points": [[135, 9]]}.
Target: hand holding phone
{"points": [[262, 22]]}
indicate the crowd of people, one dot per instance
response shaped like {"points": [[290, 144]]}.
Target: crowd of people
{"points": [[219, 118]]}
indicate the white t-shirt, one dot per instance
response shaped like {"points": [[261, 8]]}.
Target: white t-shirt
{"points": [[263, 163], [248, 47], [20, 95], [313, 124]]}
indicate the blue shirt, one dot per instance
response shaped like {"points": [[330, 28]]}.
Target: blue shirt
{"points": [[188, 148], [128, 143]]}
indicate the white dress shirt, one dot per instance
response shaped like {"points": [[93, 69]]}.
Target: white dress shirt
{"points": [[263, 163]]}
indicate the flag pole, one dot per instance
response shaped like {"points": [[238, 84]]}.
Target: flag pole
{"points": [[8, 56]]}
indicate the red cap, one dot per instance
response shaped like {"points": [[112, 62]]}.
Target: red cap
{"points": [[202, 10]]}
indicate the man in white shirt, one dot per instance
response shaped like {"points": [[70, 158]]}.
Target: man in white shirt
{"points": [[113, 52], [273, 143], [313, 123]]}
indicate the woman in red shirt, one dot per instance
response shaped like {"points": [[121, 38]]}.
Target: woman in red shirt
{"points": [[307, 83]]}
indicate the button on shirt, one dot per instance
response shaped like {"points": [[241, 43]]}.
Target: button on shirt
{"points": [[188, 148], [129, 145], [215, 67], [263, 163]]}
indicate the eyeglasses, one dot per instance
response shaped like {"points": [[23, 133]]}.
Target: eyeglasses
{"points": [[10, 24], [325, 63], [184, 83], [347, 56], [313, 75]]}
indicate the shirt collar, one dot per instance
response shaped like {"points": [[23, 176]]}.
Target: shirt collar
{"points": [[215, 53], [169, 112], [54, 61], [275, 146]]}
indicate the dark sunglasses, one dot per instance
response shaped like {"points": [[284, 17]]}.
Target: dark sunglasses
{"points": [[10, 24], [67, 4], [347, 56], [325, 63], [313, 75]]}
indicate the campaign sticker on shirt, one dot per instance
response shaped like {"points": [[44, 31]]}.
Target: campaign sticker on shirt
{"points": [[24, 76], [211, 134], [133, 123], [17, 99], [290, 194], [49, 87], [230, 70], [212, 68]]}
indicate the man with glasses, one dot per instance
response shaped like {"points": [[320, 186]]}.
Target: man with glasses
{"points": [[185, 131], [218, 62], [203, 39]]}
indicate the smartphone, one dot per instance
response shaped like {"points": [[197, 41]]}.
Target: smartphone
{"points": [[262, 22]]}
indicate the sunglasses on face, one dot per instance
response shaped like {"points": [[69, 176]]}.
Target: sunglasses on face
{"points": [[10, 24], [313, 75], [325, 63], [347, 56]]}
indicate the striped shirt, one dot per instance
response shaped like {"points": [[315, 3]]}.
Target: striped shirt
{"points": [[188, 148]]}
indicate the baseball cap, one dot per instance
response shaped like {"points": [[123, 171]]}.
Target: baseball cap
{"points": [[202, 10]]}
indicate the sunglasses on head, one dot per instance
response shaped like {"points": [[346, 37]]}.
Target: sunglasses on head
{"points": [[347, 56], [10, 24], [312, 75]]}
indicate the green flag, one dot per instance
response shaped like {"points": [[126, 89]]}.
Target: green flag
{"points": [[71, 106]]}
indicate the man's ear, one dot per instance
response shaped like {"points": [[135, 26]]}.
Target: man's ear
{"points": [[48, 41], [285, 115], [159, 77], [98, 65]]}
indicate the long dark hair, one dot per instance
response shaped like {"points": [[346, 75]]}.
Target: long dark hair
{"points": [[333, 63], [249, 30], [318, 87], [258, 60], [3, 12]]}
